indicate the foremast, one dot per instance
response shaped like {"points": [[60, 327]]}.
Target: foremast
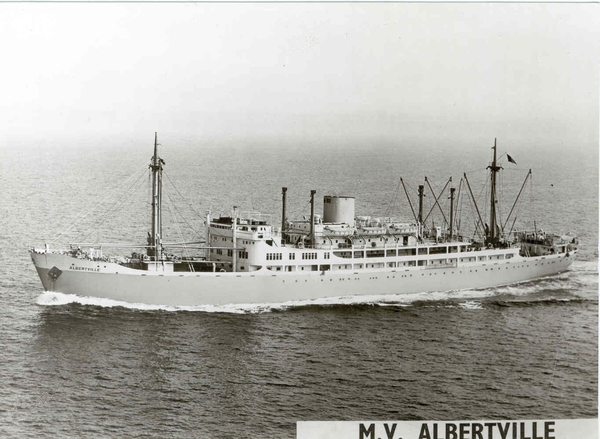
{"points": [[493, 232], [155, 239]]}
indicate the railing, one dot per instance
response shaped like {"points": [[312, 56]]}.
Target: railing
{"points": [[256, 216]]}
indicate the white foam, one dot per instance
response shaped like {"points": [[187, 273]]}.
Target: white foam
{"points": [[49, 298], [470, 304], [517, 289]]}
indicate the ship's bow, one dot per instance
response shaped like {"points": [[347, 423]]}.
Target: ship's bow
{"points": [[47, 271]]}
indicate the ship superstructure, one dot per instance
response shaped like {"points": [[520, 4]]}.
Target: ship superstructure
{"points": [[246, 259]]}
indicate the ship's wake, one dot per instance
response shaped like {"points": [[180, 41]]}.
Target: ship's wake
{"points": [[466, 299]]}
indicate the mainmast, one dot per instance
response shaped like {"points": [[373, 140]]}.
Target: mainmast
{"points": [[493, 227], [155, 240]]}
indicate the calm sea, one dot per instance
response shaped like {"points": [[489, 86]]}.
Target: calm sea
{"points": [[81, 367]]}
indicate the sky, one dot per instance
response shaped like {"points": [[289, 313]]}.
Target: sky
{"points": [[315, 74]]}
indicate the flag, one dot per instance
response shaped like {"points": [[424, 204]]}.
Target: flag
{"points": [[510, 159]]}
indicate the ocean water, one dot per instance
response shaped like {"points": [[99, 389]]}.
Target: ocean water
{"points": [[83, 367]]}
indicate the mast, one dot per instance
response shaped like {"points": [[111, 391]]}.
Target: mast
{"points": [[421, 195], [420, 220], [156, 236], [451, 211], [312, 218], [283, 200], [494, 169]]}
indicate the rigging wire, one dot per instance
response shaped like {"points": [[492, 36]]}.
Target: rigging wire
{"points": [[182, 197], [180, 214], [412, 190], [476, 232], [299, 211], [456, 204], [517, 213], [81, 218], [116, 206], [390, 209], [185, 249], [436, 200], [484, 193], [501, 200], [472, 203]]}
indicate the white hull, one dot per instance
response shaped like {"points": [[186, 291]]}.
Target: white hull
{"points": [[113, 281]]}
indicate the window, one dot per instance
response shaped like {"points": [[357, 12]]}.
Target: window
{"points": [[407, 252], [343, 254]]}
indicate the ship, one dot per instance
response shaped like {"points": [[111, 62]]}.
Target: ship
{"points": [[244, 259]]}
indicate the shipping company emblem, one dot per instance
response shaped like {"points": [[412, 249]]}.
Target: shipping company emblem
{"points": [[54, 273]]}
